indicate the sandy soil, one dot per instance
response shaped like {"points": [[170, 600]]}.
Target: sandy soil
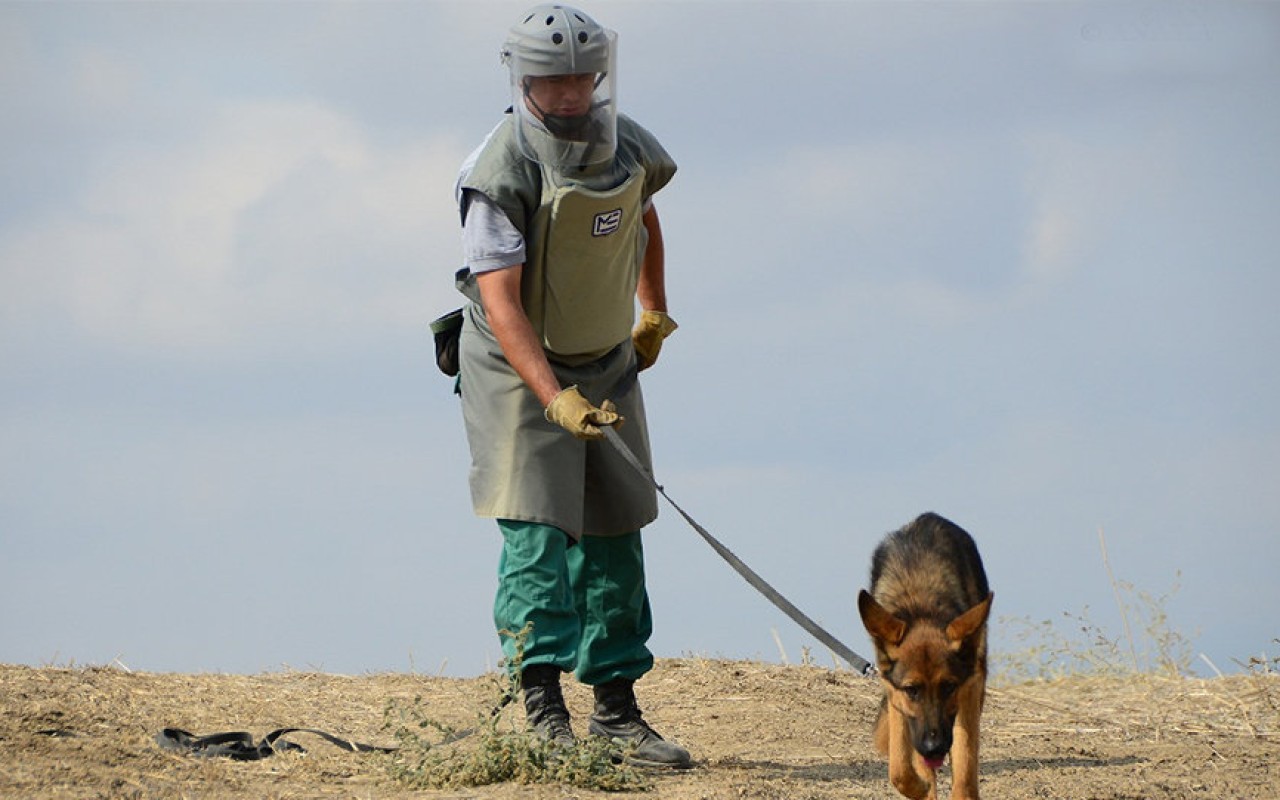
{"points": [[756, 730]]}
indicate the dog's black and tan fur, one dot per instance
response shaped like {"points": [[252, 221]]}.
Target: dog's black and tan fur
{"points": [[927, 615]]}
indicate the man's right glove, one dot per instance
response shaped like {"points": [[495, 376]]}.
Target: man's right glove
{"points": [[647, 337], [573, 412]]}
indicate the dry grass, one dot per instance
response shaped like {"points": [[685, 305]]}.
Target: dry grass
{"points": [[1147, 706], [757, 731]]}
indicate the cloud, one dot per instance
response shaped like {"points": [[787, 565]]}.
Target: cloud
{"points": [[873, 230], [947, 231], [237, 232]]}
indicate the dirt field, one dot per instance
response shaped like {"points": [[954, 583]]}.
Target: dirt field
{"points": [[757, 731]]}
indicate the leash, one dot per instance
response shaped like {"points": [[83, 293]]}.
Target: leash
{"points": [[857, 662], [239, 745]]}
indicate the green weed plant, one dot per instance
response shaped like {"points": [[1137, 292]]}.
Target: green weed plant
{"points": [[498, 749]]}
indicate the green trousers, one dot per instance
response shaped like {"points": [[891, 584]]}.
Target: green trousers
{"points": [[587, 601]]}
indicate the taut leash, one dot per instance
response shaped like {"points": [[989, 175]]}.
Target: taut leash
{"points": [[857, 662]]}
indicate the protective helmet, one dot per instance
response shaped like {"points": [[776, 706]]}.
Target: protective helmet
{"points": [[556, 40]]}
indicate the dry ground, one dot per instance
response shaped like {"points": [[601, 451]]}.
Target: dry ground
{"points": [[757, 731]]}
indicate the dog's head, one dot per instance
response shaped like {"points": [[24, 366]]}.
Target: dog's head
{"points": [[924, 665]]}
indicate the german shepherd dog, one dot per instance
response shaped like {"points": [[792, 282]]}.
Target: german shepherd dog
{"points": [[927, 615]]}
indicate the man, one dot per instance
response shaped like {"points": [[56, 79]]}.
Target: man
{"points": [[561, 240]]}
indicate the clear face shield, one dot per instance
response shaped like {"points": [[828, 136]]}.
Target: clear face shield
{"points": [[566, 106]]}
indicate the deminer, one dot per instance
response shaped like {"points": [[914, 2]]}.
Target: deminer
{"points": [[567, 303]]}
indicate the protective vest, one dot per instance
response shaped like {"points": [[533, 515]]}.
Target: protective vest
{"points": [[582, 268], [523, 467], [584, 237]]}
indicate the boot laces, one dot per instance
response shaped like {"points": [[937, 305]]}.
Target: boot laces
{"points": [[628, 722], [548, 715], [646, 730]]}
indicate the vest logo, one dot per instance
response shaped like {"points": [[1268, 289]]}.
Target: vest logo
{"points": [[607, 222]]}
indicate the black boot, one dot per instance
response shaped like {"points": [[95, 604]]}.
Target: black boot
{"points": [[617, 717], [544, 704]]}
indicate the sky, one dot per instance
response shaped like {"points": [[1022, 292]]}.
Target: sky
{"points": [[1011, 262]]}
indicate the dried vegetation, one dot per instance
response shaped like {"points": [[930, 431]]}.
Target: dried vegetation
{"points": [[757, 730]]}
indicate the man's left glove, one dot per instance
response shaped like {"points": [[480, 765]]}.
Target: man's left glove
{"points": [[648, 335]]}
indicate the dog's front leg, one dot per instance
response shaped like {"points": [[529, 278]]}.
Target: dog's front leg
{"points": [[964, 743], [906, 775]]}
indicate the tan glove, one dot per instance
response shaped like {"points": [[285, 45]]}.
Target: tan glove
{"points": [[573, 412], [648, 335]]}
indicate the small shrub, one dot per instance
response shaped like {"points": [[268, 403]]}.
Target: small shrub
{"points": [[497, 749], [1264, 671], [1080, 646]]}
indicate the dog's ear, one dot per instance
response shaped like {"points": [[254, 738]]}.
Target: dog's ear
{"points": [[880, 623], [964, 626]]}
